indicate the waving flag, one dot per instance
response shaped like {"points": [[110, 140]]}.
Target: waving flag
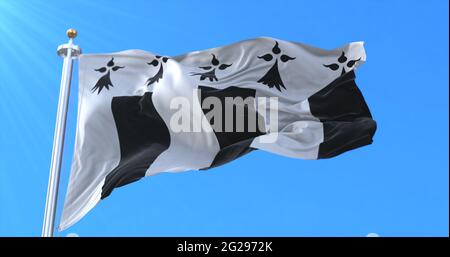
{"points": [[140, 114]]}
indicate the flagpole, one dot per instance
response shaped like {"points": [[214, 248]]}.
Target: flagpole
{"points": [[67, 51]]}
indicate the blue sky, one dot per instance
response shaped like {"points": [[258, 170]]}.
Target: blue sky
{"points": [[398, 186]]}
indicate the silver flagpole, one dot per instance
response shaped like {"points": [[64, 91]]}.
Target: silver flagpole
{"points": [[68, 51]]}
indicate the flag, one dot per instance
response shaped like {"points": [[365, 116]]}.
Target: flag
{"points": [[140, 114]]}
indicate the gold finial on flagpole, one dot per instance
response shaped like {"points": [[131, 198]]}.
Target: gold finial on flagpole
{"points": [[63, 49], [71, 33]]}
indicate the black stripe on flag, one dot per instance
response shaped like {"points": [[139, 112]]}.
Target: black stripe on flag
{"points": [[143, 135], [347, 122], [233, 144]]}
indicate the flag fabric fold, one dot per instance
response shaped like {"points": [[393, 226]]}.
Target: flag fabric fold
{"points": [[140, 114]]}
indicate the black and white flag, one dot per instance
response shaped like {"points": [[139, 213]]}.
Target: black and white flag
{"points": [[140, 114]]}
